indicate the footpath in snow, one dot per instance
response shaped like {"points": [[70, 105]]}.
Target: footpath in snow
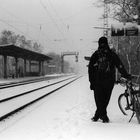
{"points": [[66, 114]]}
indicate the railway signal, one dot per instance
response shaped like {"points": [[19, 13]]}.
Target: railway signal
{"points": [[68, 53]]}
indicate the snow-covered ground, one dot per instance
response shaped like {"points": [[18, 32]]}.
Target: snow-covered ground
{"points": [[65, 115]]}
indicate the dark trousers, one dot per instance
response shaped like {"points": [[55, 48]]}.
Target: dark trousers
{"points": [[102, 94]]}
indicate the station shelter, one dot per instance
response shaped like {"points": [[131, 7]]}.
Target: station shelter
{"points": [[26, 55]]}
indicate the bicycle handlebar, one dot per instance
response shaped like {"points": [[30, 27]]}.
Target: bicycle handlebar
{"points": [[122, 81], [126, 82]]}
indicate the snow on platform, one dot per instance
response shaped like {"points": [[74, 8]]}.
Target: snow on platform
{"points": [[11, 80], [20, 79], [65, 115]]}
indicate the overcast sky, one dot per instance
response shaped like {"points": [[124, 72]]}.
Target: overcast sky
{"points": [[59, 25]]}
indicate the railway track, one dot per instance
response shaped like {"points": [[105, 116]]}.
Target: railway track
{"points": [[14, 104], [29, 81]]}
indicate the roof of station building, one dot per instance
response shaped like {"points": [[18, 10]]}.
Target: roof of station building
{"points": [[15, 51]]}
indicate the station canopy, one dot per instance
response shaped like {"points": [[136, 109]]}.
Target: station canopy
{"points": [[15, 51]]}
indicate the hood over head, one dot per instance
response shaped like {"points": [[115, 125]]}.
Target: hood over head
{"points": [[103, 43]]}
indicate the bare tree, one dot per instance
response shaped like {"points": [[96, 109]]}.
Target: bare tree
{"points": [[121, 10]]}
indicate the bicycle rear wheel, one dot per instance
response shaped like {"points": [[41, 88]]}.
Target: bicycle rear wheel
{"points": [[137, 108], [123, 104]]}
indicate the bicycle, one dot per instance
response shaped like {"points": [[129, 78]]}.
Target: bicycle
{"points": [[130, 99]]}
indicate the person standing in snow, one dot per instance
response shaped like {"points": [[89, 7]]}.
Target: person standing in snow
{"points": [[101, 72]]}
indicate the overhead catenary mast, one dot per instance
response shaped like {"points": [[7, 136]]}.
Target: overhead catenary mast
{"points": [[105, 19], [105, 27], [138, 10]]}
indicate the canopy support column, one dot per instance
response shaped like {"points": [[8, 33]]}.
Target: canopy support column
{"points": [[5, 66], [24, 67], [16, 60]]}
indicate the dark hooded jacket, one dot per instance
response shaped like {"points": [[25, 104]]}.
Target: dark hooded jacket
{"points": [[95, 77]]}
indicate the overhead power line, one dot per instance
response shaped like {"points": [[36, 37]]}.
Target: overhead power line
{"points": [[52, 19], [56, 13], [14, 28]]}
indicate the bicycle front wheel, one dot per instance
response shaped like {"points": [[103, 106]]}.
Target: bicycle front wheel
{"points": [[137, 109], [124, 105]]}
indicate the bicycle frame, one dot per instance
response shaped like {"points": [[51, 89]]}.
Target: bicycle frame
{"points": [[129, 103], [133, 103]]}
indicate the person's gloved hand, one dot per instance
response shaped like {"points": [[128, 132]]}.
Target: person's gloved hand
{"points": [[129, 77], [92, 86]]}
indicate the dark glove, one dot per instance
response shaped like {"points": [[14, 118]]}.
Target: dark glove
{"points": [[92, 86], [129, 77]]}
